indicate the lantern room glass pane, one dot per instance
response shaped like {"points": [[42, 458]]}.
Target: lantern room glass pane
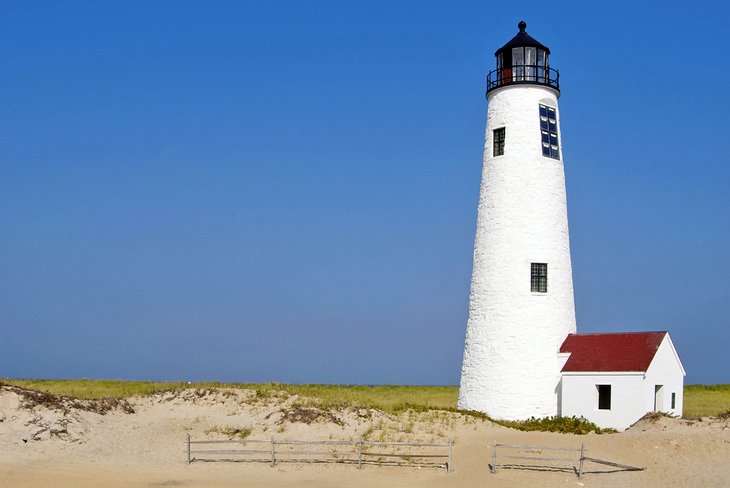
{"points": [[518, 63], [541, 63], [530, 63], [541, 57]]}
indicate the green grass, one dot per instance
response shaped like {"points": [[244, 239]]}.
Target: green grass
{"points": [[706, 400], [699, 400], [383, 397], [96, 389], [564, 425]]}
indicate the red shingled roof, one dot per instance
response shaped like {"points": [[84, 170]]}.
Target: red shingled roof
{"points": [[611, 352]]}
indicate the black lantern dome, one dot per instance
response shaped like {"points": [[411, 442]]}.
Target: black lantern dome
{"points": [[523, 60]]}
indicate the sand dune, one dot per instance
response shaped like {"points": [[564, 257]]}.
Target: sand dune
{"points": [[47, 442]]}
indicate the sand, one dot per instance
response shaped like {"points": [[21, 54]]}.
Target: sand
{"points": [[77, 445]]}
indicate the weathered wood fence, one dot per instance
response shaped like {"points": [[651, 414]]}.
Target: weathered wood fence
{"points": [[534, 453], [358, 452]]}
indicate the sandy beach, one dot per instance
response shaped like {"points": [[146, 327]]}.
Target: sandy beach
{"points": [[91, 444]]}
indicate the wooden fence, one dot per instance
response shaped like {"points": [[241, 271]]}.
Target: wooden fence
{"points": [[534, 453], [358, 452]]}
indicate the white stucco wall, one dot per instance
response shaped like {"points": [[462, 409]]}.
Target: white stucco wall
{"points": [[628, 402], [632, 394], [666, 369], [510, 368]]}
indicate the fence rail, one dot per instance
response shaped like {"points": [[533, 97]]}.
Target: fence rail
{"points": [[529, 452], [341, 451]]}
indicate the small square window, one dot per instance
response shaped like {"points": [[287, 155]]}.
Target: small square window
{"points": [[538, 277], [604, 397], [498, 146]]}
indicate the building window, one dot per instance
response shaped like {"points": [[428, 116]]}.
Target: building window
{"points": [[604, 397], [498, 146], [538, 277], [549, 131], [674, 400]]}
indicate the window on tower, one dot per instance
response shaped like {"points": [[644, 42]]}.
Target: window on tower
{"points": [[538, 278], [498, 146], [549, 131]]}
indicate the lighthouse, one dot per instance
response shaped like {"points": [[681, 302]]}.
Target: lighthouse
{"points": [[521, 305]]}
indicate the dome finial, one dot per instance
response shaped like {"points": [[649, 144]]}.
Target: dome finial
{"points": [[522, 25]]}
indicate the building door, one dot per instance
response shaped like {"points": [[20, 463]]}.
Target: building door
{"points": [[658, 398]]}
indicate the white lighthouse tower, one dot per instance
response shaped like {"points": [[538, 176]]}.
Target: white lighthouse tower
{"points": [[521, 305]]}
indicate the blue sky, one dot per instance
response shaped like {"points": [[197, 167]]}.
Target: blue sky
{"points": [[287, 191]]}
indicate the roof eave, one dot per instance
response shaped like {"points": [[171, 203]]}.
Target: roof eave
{"points": [[613, 373]]}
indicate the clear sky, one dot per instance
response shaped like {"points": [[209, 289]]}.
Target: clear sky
{"points": [[287, 191]]}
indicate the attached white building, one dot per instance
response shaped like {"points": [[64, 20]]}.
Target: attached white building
{"points": [[615, 379]]}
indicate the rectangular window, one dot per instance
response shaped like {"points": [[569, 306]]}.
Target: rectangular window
{"points": [[674, 401], [604, 397], [538, 277], [549, 131], [498, 146]]}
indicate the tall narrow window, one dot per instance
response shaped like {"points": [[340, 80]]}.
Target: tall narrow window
{"points": [[604, 397], [549, 131], [538, 277], [674, 401], [498, 146]]}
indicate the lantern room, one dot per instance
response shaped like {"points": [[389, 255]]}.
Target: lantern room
{"points": [[523, 60]]}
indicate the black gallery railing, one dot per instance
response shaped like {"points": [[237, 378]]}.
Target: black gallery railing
{"points": [[523, 73]]}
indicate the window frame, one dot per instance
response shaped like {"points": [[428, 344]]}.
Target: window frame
{"points": [[538, 277], [549, 138], [604, 397], [498, 143]]}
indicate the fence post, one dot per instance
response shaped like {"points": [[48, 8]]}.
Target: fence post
{"points": [[448, 463], [273, 452], [494, 456], [580, 468], [188, 448], [359, 453]]}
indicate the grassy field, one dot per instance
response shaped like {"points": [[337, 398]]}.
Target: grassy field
{"points": [[383, 397], [699, 400], [706, 400]]}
